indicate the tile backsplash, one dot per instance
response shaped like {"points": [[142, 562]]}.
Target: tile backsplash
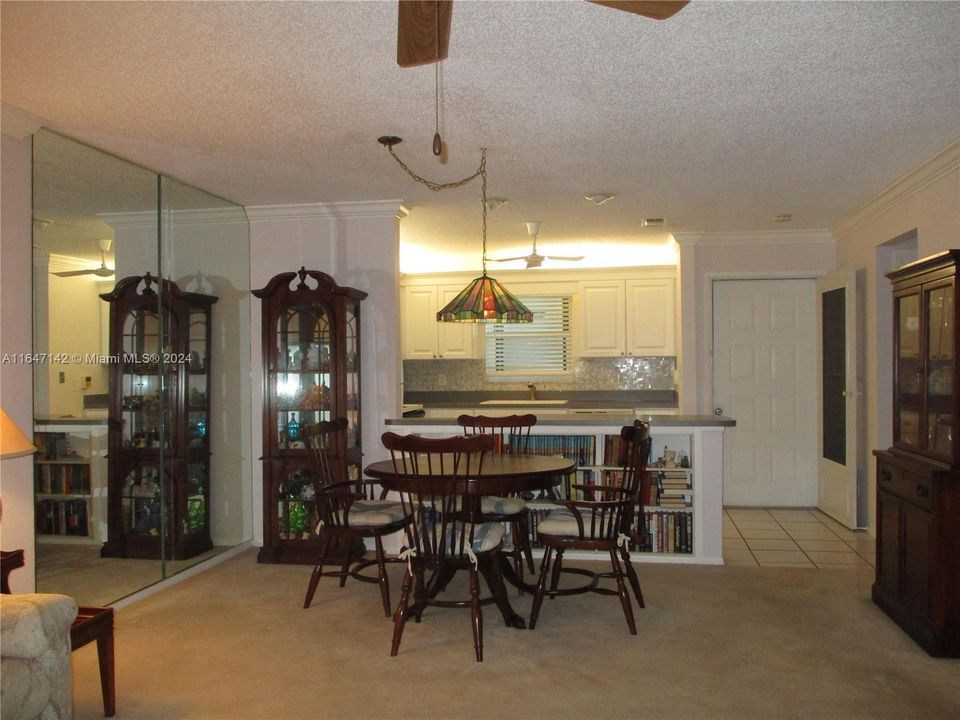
{"points": [[646, 373]]}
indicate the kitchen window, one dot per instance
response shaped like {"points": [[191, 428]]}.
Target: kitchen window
{"points": [[543, 347]]}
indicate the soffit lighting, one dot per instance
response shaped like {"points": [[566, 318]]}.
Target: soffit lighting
{"points": [[483, 299], [598, 198]]}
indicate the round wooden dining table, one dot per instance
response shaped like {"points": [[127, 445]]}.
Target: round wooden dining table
{"points": [[499, 475]]}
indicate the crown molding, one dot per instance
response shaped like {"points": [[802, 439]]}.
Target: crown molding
{"points": [[920, 177], [17, 122], [354, 209], [754, 237]]}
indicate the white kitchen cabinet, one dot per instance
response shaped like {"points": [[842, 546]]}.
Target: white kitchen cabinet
{"points": [[426, 339], [627, 318]]}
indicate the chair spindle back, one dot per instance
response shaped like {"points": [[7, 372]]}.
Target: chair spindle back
{"points": [[511, 433]]}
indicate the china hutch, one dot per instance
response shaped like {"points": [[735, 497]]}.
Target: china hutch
{"points": [[311, 372], [918, 479], [158, 446]]}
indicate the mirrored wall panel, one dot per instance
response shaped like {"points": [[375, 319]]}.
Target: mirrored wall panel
{"points": [[142, 318]]}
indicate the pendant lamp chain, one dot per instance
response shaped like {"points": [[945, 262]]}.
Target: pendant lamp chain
{"points": [[484, 299]]}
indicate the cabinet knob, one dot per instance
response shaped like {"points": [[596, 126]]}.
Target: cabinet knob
{"points": [[885, 476], [923, 491]]}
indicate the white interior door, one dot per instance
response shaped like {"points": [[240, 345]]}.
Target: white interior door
{"points": [[765, 378], [840, 471]]}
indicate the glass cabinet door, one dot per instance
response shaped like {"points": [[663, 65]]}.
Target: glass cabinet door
{"points": [[196, 362], [143, 391], [304, 382], [909, 370], [939, 363], [352, 379]]}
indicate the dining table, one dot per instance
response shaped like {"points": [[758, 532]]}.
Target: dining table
{"points": [[498, 475]]}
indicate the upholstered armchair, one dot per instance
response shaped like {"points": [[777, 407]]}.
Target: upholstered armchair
{"points": [[35, 679]]}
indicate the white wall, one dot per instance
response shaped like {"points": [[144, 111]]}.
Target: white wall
{"points": [[705, 257], [925, 201], [16, 385], [356, 244]]}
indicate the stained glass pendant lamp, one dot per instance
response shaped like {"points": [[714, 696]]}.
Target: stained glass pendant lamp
{"points": [[484, 299]]}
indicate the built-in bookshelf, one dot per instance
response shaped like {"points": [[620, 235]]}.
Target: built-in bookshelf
{"points": [[684, 510], [66, 475], [666, 513]]}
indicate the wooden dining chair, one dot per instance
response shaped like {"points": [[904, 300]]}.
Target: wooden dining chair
{"points": [[511, 436], [604, 522], [347, 511], [446, 531]]}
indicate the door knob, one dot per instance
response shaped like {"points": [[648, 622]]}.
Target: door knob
{"points": [[718, 411]]}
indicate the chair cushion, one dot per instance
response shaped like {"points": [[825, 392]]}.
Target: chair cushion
{"points": [[375, 513], [486, 536], [492, 505], [563, 523]]}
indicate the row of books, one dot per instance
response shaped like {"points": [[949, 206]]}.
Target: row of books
{"points": [[669, 531], [62, 479], [579, 448], [62, 517], [52, 446]]}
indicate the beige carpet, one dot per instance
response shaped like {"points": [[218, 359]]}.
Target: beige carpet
{"points": [[79, 571], [713, 642]]}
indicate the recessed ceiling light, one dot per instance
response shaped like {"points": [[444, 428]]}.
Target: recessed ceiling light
{"points": [[783, 217], [654, 222], [598, 198]]}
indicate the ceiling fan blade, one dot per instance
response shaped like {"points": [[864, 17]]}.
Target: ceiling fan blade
{"points": [[566, 257], [417, 32], [654, 9], [75, 273], [522, 257], [102, 271]]}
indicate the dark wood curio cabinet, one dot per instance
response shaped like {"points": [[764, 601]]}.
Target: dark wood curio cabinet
{"points": [[311, 372], [918, 483], [159, 421]]}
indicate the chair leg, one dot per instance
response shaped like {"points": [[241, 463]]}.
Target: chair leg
{"points": [[317, 571], [622, 591], [475, 615], [557, 568], [525, 535], [632, 576], [384, 581], [541, 587], [491, 572], [419, 593], [345, 568], [400, 617]]}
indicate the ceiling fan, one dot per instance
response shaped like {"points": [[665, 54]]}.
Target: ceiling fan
{"points": [[102, 271], [423, 27], [535, 259]]}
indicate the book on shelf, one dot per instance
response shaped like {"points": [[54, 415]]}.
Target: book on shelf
{"points": [[73, 479], [668, 531]]}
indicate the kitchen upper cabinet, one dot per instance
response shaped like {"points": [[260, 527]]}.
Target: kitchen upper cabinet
{"points": [[426, 339], [629, 318]]}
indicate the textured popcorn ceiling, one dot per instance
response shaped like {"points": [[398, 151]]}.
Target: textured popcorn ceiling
{"points": [[716, 119]]}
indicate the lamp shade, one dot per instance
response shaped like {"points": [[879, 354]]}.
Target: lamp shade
{"points": [[13, 443], [485, 300]]}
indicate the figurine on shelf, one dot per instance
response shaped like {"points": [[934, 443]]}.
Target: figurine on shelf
{"points": [[313, 356], [312, 398], [297, 360]]}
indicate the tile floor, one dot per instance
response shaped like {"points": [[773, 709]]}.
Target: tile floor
{"points": [[793, 537]]}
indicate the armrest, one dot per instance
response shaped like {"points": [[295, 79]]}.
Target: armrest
{"points": [[33, 624]]}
